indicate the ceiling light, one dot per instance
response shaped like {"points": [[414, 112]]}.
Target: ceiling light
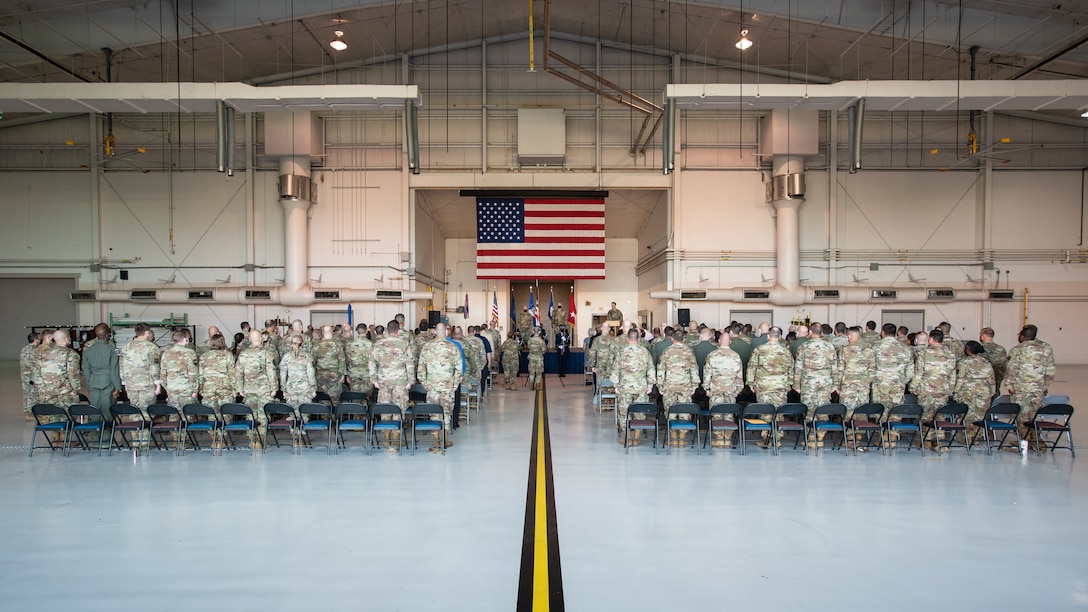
{"points": [[337, 43], [1084, 114], [744, 43]]}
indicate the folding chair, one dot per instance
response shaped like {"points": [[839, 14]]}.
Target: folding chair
{"points": [[322, 398], [607, 397], [1051, 400], [649, 422], [673, 423], [172, 422], [386, 426], [357, 397], [909, 420], [417, 394], [1000, 399], [279, 417], [127, 419], [351, 416], [866, 420], [427, 418], [85, 419], [948, 418], [716, 421], [1004, 418], [757, 417], [587, 371], [818, 425], [238, 418], [910, 398], [473, 398], [50, 418], [794, 422], [1053, 419], [315, 418], [200, 418]]}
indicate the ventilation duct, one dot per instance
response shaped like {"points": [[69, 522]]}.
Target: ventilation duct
{"points": [[82, 296], [258, 295], [411, 135], [220, 136], [855, 120], [229, 132], [884, 295], [201, 295], [999, 295], [941, 295], [326, 296], [756, 295], [668, 137], [833, 295], [786, 187], [383, 295], [542, 136], [693, 295], [144, 294]]}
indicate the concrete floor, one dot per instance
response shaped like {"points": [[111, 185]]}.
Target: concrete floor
{"points": [[637, 532]]}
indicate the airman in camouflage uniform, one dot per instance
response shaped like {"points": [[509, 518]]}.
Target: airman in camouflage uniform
{"points": [[298, 330], [857, 367], [894, 368], [815, 370], [934, 375], [1029, 373], [974, 385], [205, 346], [677, 372], [537, 348], [691, 335], [358, 355], [440, 372], [178, 371], [614, 315], [391, 363], [954, 345], [634, 376], [723, 378], [525, 324], [216, 367], [602, 355], [28, 372], [297, 377], [995, 354], [770, 371], [139, 366], [60, 376], [479, 355], [841, 337], [330, 364], [870, 337], [511, 361], [255, 377]]}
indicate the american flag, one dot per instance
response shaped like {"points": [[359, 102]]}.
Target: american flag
{"points": [[540, 238]]}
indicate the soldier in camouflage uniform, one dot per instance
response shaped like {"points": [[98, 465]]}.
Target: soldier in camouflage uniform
{"points": [[298, 330], [440, 372], [357, 353], [602, 355], [60, 376], [216, 368], [995, 354], [330, 364], [525, 324], [511, 361], [255, 377], [424, 336], [894, 368], [815, 370], [634, 377], [770, 371], [677, 372], [723, 378], [537, 348], [473, 343], [691, 335], [205, 346], [297, 377], [494, 336], [178, 371], [974, 385], [139, 367], [614, 315], [1028, 375], [391, 363], [857, 368], [955, 345], [870, 337], [841, 337], [934, 375], [28, 372]]}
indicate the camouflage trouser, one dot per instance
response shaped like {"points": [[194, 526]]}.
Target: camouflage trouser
{"points": [[624, 398], [670, 396], [815, 392], [853, 394], [888, 394], [64, 400], [256, 401], [536, 372], [179, 398], [141, 398], [393, 392], [360, 381], [510, 372], [30, 396], [296, 398], [1030, 399], [930, 402], [772, 394], [443, 396], [977, 404], [723, 397], [330, 384], [217, 397]]}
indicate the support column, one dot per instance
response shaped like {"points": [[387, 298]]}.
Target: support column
{"points": [[295, 198]]}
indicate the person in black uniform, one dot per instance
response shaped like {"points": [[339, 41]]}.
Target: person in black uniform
{"points": [[562, 349]]}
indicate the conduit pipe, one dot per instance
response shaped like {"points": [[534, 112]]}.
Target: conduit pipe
{"points": [[296, 197], [787, 194], [847, 295], [237, 295]]}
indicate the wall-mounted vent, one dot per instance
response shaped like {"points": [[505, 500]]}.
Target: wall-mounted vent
{"points": [[756, 295], [258, 294], [825, 294], [85, 296], [693, 295], [327, 296], [941, 295], [884, 294], [201, 295], [143, 294], [1002, 294], [388, 295]]}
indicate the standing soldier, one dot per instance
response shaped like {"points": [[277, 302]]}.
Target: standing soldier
{"points": [[840, 339], [770, 371], [298, 330], [974, 385], [511, 361], [390, 366], [297, 378], [330, 364], [205, 346], [537, 348], [425, 335], [634, 377], [857, 367], [954, 345], [357, 353], [479, 360], [28, 372], [178, 371], [691, 336], [602, 355], [723, 378], [60, 375], [815, 370], [255, 377], [440, 372], [525, 324], [216, 367], [870, 337], [139, 367], [101, 371], [934, 375], [894, 368], [677, 372], [614, 315], [995, 354], [1029, 373]]}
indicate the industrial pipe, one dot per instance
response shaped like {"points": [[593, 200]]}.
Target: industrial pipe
{"points": [[278, 296], [220, 136], [847, 295]]}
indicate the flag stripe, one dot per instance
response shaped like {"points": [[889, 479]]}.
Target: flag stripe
{"points": [[519, 275], [540, 238], [563, 226], [544, 251], [572, 212], [572, 265], [565, 201], [567, 239]]}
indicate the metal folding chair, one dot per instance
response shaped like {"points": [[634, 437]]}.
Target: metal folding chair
{"points": [[948, 418], [760, 418], [127, 420], [392, 425], [908, 419], [650, 421], [673, 423], [50, 419], [238, 419], [606, 395], [1052, 419], [199, 419], [427, 418], [716, 422], [1003, 417], [835, 421], [279, 417], [866, 421], [171, 423], [357, 397], [85, 420], [351, 417], [315, 418], [792, 422]]}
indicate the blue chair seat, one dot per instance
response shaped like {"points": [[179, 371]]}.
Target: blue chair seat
{"points": [[317, 424], [903, 426], [682, 425], [201, 426], [238, 425], [996, 425], [387, 426], [52, 426], [88, 426], [820, 425], [758, 426], [353, 425], [704, 412], [428, 425]]}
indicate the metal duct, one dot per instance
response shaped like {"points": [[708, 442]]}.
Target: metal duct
{"points": [[780, 296], [229, 145], [277, 295], [668, 138], [856, 121], [411, 135], [296, 187], [295, 198], [220, 136]]}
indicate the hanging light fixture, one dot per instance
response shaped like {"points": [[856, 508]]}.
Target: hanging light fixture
{"points": [[744, 43], [339, 44]]}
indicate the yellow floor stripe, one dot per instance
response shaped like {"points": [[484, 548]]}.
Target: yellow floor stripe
{"points": [[541, 596]]}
